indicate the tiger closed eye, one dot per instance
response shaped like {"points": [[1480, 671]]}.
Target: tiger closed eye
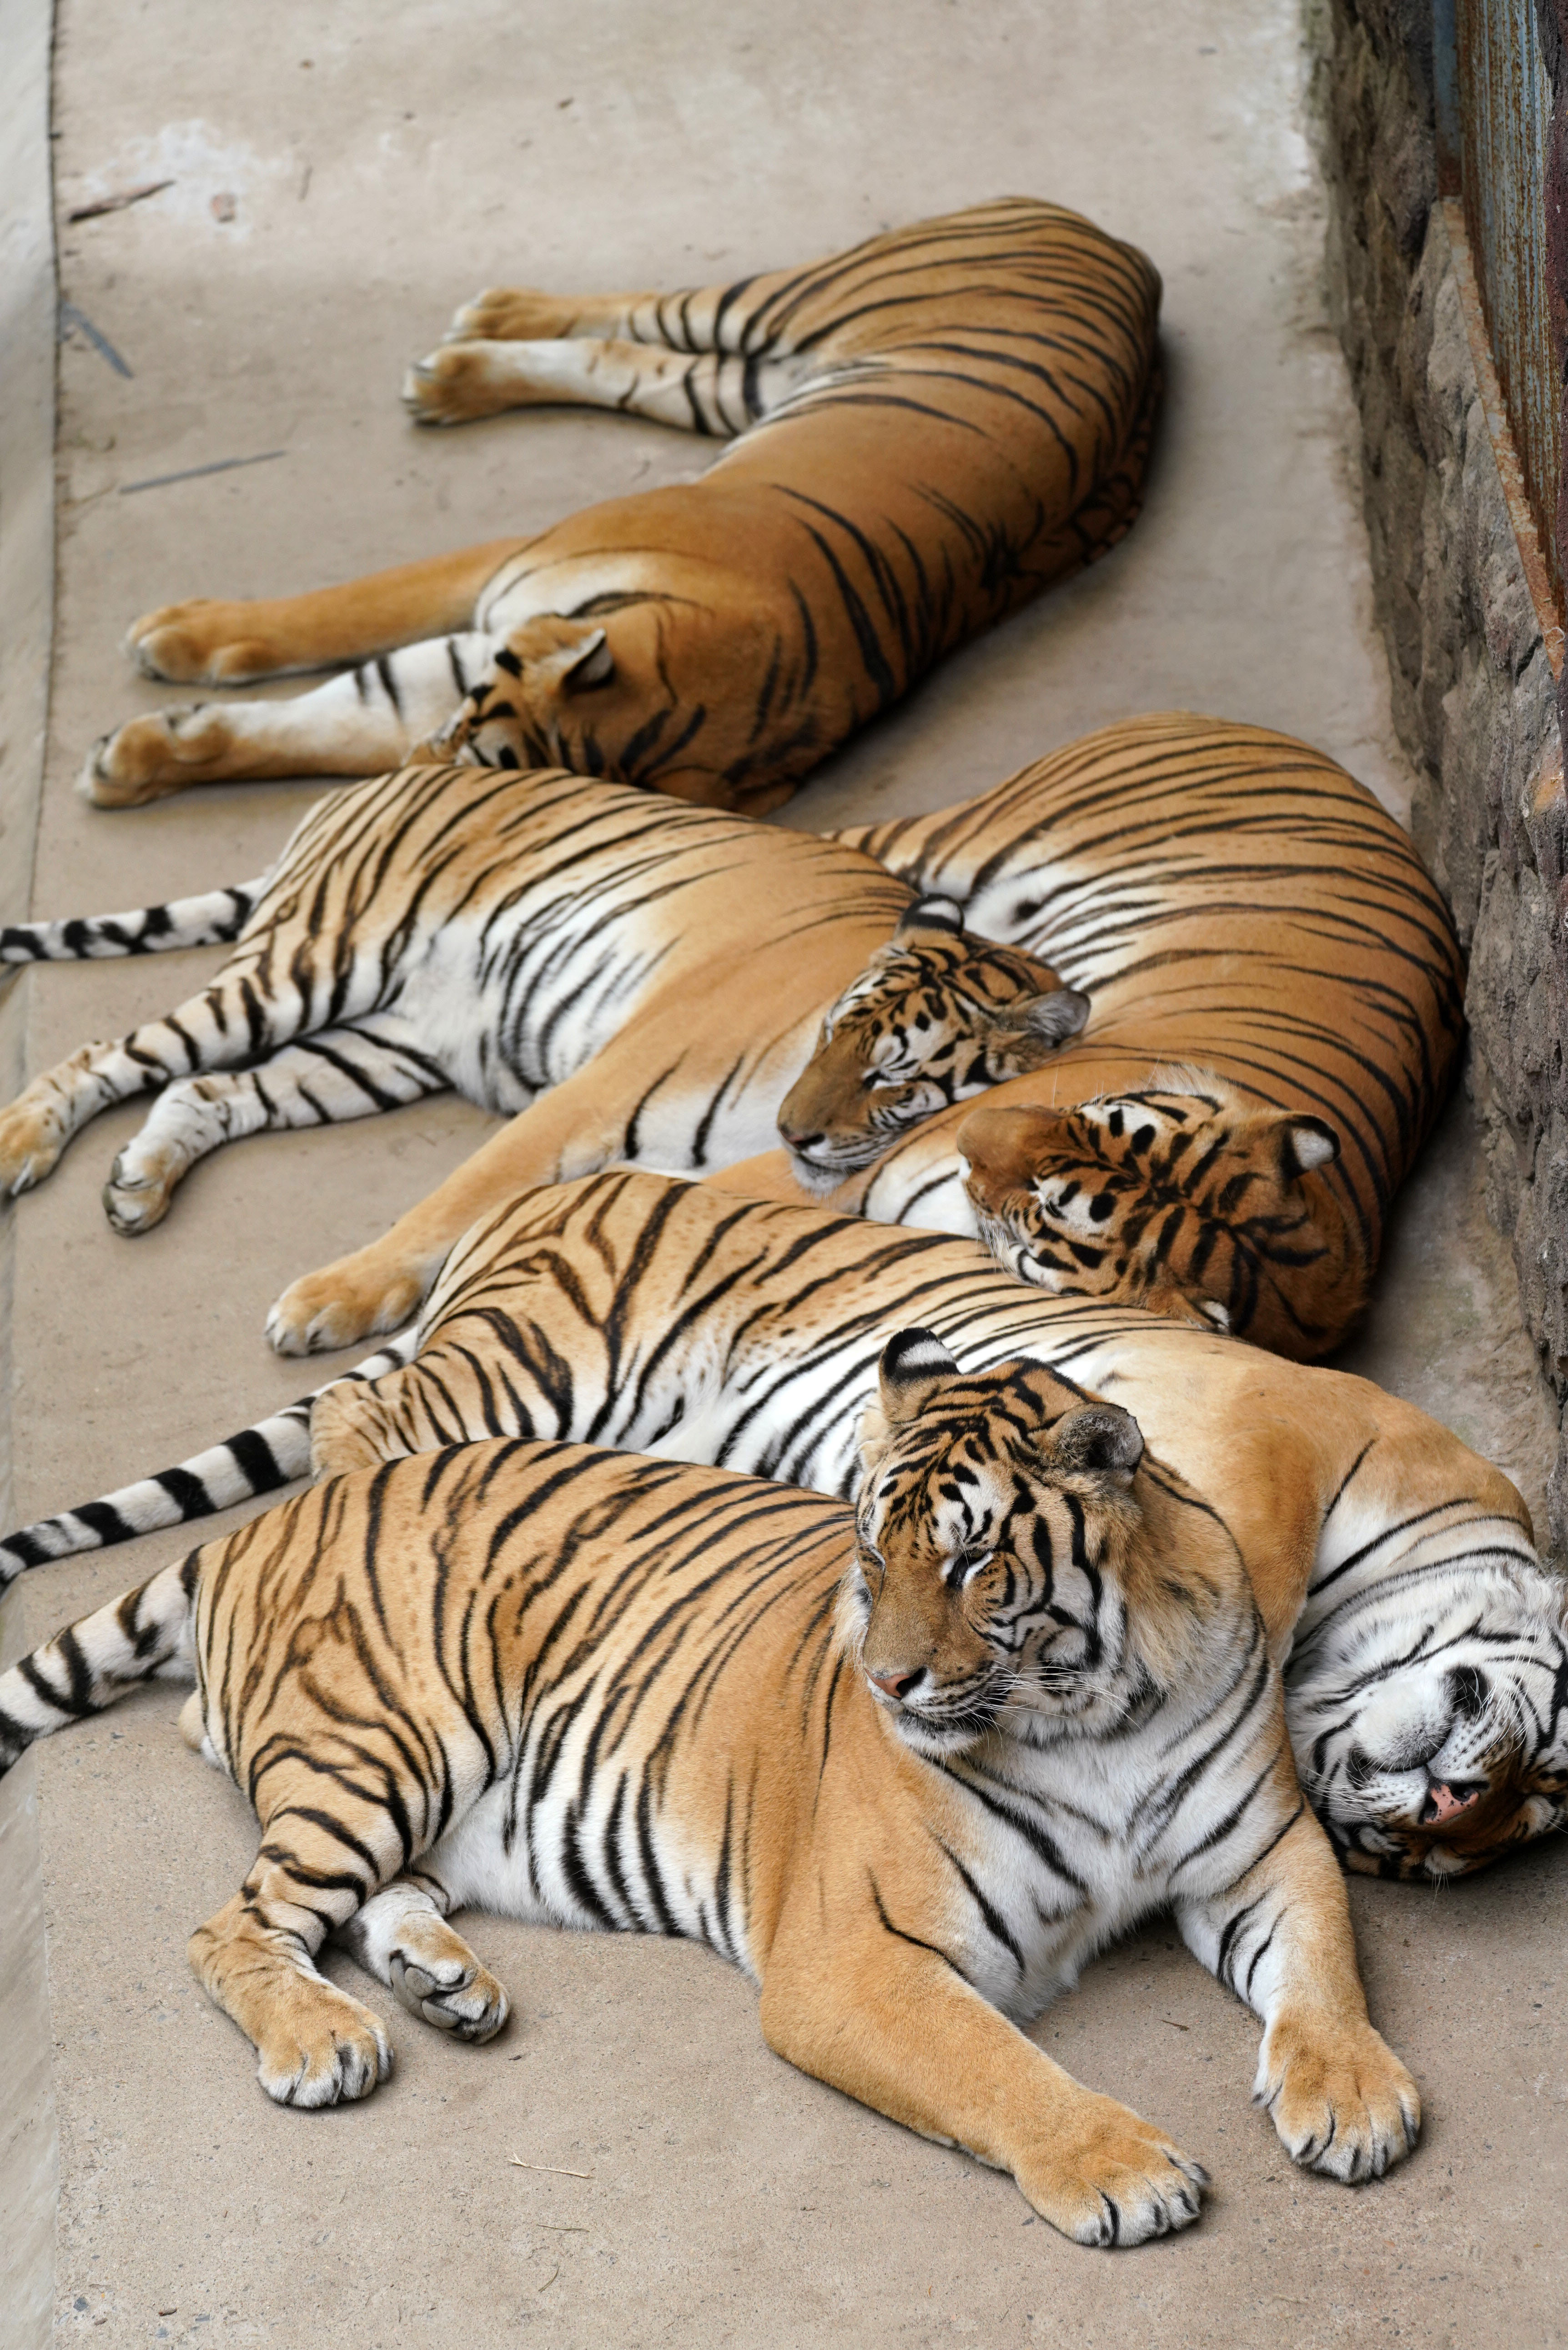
{"points": [[967, 1564]]}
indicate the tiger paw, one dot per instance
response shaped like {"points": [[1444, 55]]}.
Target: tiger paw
{"points": [[149, 757], [140, 1187], [343, 1302], [1339, 2097], [401, 1938], [507, 314], [436, 1978], [321, 2048], [1110, 2179], [460, 382], [203, 642], [32, 1136]]}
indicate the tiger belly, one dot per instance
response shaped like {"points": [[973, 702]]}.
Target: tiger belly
{"points": [[552, 1858]]}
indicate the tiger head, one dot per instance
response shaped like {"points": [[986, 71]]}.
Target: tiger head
{"points": [[1003, 1574], [935, 1017], [532, 696], [1183, 1198], [1438, 1738]]}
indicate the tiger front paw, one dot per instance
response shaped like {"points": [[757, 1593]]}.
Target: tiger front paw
{"points": [[322, 2048], [203, 642], [1339, 2097], [460, 382], [1109, 2178], [149, 758], [343, 1302], [32, 1136]]}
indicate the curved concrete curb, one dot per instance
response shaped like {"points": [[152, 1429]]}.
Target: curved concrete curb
{"points": [[29, 2135]]}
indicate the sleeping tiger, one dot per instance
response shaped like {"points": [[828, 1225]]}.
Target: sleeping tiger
{"points": [[1183, 1197], [1427, 1682], [647, 979], [908, 1768], [932, 427], [1277, 1003], [535, 939]]}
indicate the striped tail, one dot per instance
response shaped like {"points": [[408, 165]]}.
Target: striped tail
{"points": [[260, 1458], [144, 1635], [210, 921]]}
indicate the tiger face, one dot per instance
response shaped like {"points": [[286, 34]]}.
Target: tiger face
{"points": [[1442, 1736], [936, 1016], [1182, 1198], [536, 688], [994, 1532]]}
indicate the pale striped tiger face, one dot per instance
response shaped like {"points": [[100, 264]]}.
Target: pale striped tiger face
{"points": [[936, 1017], [1186, 1199], [1444, 1737], [992, 1521]]}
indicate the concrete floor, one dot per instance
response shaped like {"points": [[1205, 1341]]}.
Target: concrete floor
{"points": [[381, 164]]}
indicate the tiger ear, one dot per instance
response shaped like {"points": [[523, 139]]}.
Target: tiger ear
{"points": [[932, 915], [584, 659], [1100, 1441], [1003, 1148], [1305, 1143], [915, 1365], [1032, 1029]]}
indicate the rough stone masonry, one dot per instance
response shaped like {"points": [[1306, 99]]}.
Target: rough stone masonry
{"points": [[1475, 699]]}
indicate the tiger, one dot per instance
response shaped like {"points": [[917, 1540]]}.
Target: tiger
{"points": [[1183, 1197], [908, 1765], [927, 430], [534, 939], [672, 1020], [1278, 1006], [1424, 1651]]}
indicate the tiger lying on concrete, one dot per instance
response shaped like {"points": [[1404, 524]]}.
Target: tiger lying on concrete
{"points": [[633, 978], [932, 427], [908, 1768], [1427, 1682], [647, 979], [1277, 1003]]}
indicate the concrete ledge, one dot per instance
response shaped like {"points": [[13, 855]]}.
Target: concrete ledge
{"points": [[28, 2134]]}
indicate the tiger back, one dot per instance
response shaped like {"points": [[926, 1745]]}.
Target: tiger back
{"points": [[1233, 903]]}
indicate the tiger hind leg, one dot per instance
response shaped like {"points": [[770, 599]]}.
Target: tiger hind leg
{"points": [[439, 1399], [403, 1938], [759, 315], [325, 1079], [373, 718], [718, 394]]}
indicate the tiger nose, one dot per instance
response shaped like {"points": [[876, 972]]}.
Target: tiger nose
{"points": [[800, 1138], [896, 1685]]}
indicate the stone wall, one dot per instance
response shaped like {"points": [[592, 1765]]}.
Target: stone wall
{"points": [[1473, 691]]}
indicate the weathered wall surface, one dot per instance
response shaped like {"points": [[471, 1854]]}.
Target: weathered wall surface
{"points": [[1473, 693]]}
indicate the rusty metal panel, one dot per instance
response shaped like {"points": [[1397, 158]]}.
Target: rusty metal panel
{"points": [[1504, 108]]}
